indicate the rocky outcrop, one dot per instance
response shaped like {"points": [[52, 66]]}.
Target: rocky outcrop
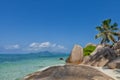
{"points": [[102, 57], [114, 64], [86, 59], [116, 45], [69, 72], [116, 48], [61, 58], [76, 56], [98, 48]]}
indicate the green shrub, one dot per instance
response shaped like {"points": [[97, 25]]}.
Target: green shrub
{"points": [[88, 50]]}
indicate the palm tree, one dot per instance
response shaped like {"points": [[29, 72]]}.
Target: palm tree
{"points": [[107, 32]]}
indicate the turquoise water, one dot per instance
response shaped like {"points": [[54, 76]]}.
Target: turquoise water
{"points": [[16, 66]]}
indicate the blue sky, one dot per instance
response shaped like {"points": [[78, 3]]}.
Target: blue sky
{"points": [[54, 25]]}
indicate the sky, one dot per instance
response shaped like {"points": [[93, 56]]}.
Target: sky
{"points": [[52, 25]]}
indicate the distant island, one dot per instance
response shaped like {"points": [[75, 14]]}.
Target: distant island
{"points": [[48, 53]]}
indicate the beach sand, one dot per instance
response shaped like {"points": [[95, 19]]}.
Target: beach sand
{"points": [[114, 73]]}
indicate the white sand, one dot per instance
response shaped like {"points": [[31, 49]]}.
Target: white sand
{"points": [[114, 73]]}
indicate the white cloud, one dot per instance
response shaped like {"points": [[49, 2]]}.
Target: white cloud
{"points": [[35, 46], [40, 45], [61, 47], [16, 46], [45, 44]]}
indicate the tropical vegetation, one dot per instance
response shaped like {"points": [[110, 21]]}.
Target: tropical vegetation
{"points": [[107, 32], [88, 50]]}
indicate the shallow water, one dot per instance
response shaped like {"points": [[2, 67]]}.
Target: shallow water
{"points": [[15, 67]]}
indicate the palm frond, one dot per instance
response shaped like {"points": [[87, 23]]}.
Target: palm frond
{"points": [[106, 24], [115, 24], [114, 27], [99, 28], [111, 38], [98, 35], [116, 33]]}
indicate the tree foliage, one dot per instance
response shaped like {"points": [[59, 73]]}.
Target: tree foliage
{"points": [[107, 32], [88, 50]]}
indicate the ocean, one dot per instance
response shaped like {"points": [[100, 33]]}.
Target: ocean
{"points": [[17, 66]]}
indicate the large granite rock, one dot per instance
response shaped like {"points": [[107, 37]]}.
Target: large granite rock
{"points": [[118, 52], [69, 72], [98, 48], [116, 48], [87, 58], [101, 57], [116, 45], [76, 56], [114, 64]]}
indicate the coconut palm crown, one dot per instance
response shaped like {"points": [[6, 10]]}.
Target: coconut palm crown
{"points": [[107, 32]]}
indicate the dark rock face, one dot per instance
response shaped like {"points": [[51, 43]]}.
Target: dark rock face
{"points": [[69, 72], [98, 48], [76, 56], [101, 57], [116, 47], [114, 64]]}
